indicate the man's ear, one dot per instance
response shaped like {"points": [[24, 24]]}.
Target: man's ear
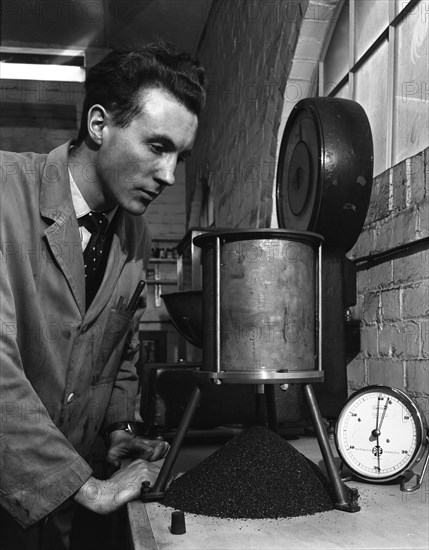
{"points": [[97, 120]]}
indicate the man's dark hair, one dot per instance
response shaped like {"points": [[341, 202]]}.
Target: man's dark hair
{"points": [[115, 82]]}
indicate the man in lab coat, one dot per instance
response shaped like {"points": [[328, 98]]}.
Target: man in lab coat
{"points": [[69, 332]]}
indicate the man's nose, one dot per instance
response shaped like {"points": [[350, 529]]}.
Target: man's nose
{"points": [[167, 172]]}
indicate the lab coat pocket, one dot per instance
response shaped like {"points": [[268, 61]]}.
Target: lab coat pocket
{"points": [[112, 343]]}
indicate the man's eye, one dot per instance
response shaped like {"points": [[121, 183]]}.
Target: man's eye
{"points": [[156, 148]]}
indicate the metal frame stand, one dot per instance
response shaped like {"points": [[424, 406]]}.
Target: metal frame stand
{"points": [[262, 377], [343, 501], [161, 481]]}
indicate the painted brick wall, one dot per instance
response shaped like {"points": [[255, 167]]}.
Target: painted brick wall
{"points": [[247, 50], [393, 290]]}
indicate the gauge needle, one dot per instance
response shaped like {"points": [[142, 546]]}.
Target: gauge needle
{"points": [[376, 431], [382, 416]]}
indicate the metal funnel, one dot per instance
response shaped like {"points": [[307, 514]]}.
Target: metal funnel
{"points": [[186, 312]]}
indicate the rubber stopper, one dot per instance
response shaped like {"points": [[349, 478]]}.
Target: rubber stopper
{"points": [[178, 526]]}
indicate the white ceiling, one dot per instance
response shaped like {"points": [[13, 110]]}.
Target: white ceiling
{"points": [[102, 23]]}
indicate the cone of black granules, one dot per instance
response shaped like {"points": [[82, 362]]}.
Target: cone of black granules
{"points": [[257, 474]]}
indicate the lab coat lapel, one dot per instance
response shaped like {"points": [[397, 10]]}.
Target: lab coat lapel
{"points": [[62, 235]]}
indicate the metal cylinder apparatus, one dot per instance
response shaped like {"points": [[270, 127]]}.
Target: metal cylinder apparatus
{"points": [[261, 305]]}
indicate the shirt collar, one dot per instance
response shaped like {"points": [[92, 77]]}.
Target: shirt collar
{"points": [[79, 203]]}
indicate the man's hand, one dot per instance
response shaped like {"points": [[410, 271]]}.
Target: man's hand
{"points": [[106, 496], [123, 445]]}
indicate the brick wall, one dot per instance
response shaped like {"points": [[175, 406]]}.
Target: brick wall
{"points": [[247, 51], [393, 289]]}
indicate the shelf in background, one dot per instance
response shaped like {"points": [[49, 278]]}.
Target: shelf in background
{"points": [[162, 260], [161, 282]]}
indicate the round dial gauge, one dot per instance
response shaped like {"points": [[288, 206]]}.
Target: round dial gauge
{"points": [[380, 433], [324, 176]]}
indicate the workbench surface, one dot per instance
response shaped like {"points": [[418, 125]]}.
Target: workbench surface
{"points": [[388, 519]]}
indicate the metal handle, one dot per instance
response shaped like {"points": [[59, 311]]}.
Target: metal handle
{"points": [[419, 478]]}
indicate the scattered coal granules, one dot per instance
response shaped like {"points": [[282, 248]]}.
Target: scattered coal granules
{"points": [[257, 474]]}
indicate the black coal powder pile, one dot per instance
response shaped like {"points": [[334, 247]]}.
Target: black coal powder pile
{"points": [[257, 474]]}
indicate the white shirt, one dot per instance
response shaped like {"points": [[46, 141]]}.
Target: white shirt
{"points": [[81, 208]]}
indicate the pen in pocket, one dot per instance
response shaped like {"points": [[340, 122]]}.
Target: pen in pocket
{"points": [[132, 306]]}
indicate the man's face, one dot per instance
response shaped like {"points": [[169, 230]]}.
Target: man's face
{"points": [[135, 163]]}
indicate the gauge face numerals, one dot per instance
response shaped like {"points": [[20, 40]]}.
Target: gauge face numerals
{"points": [[378, 434]]}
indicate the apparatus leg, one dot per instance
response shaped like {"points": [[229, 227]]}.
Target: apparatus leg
{"points": [[271, 407], [159, 487], [342, 501], [259, 410]]}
